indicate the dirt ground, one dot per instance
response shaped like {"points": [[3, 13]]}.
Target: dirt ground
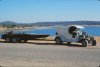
{"points": [[45, 53]]}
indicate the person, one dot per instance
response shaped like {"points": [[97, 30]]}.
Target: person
{"points": [[73, 31]]}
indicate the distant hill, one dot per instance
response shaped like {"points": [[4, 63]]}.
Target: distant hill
{"points": [[68, 23], [8, 23], [51, 23]]}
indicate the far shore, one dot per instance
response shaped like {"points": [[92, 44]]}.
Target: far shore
{"points": [[25, 28]]}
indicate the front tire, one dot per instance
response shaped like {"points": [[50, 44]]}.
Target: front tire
{"points": [[94, 43], [58, 40], [84, 43]]}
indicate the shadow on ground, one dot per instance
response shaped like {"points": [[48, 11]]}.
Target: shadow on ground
{"points": [[49, 43], [65, 44]]}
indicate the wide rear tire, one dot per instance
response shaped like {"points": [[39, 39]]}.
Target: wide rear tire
{"points": [[84, 43], [94, 43]]}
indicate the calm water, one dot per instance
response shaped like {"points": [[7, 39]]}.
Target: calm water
{"points": [[94, 31]]}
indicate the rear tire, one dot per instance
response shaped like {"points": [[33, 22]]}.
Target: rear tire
{"points": [[84, 43], [58, 40], [94, 43]]}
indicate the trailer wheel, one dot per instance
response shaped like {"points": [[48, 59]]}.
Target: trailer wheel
{"points": [[14, 40], [18, 40], [8, 40], [84, 43], [23, 41], [93, 43], [68, 43], [58, 40]]}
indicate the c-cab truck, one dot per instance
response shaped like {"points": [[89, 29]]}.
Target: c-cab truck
{"points": [[73, 33]]}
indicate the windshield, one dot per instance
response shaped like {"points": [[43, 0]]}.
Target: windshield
{"points": [[79, 31]]}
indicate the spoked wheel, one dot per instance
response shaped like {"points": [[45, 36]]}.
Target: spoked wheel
{"points": [[84, 43], [58, 40], [93, 43]]}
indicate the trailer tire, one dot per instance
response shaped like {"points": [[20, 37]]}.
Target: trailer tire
{"points": [[84, 43], [68, 43], [18, 40], [14, 40], [58, 40], [93, 43], [23, 41], [8, 40]]}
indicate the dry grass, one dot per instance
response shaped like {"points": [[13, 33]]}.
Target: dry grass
{"points": [[97, 38], [2, 29]]}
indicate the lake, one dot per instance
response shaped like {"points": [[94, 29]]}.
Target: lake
{"points": [[92, 30]]}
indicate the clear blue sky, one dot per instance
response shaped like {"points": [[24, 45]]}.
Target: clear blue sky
{"points": [[30, 11]]}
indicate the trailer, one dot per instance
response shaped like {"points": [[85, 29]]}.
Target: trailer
{"points": [[21, 37]]}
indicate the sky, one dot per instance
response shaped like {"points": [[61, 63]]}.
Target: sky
{"points": [[31, 11]]}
